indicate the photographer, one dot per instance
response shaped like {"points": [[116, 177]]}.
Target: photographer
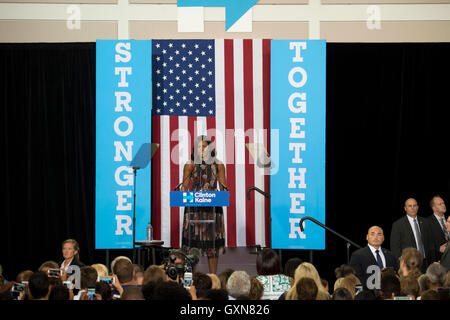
{"points": [[174, 266], [179, 266]]}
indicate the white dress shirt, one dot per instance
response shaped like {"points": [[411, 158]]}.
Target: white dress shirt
{"points": [[64, 266], [380, 252]]}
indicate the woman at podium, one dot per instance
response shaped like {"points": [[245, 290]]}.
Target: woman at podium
{"points": [[204, 172]]}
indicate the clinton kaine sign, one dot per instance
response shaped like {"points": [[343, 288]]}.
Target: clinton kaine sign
{"points": [[298, 113]]}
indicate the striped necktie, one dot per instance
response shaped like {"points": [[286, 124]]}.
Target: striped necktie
{"points": [[444, 229]]}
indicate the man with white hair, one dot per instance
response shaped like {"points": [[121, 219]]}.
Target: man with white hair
{"points": [[238, 284], [435, 276]]}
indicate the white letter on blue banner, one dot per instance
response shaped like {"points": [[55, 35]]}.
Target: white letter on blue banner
{"points": [[298, 72], [123, 124]]}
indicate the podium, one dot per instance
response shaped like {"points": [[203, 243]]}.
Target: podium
{"points": [[200, 199]]}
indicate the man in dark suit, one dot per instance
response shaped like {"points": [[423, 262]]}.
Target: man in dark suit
{"points": [[372, 254], [413, 231], [437, 224], [445, 259]]}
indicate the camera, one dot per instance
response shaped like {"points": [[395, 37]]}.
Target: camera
{"points": [[54, 273], [187, 279], [91, 294], [174, 269], [17, 289], [108, 279], [358, 288]]}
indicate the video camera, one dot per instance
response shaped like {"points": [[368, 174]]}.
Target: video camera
{"points": [[173, 268]]}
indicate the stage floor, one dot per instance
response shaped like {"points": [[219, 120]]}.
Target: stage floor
{"points": [[237, 258]]}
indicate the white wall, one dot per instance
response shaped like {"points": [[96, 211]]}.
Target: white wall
{"points": [[333, 20]]}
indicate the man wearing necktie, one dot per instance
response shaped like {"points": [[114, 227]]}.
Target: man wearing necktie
{"points": [[445, 259], [372, 254], [437, 220], [413, 231]]}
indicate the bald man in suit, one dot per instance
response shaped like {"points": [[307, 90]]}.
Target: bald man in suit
{"points": [[372, 254], [413, 231], [437, 224]]}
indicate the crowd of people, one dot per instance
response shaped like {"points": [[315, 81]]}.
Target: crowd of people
{"points": [[416, 268], [298, 280]]}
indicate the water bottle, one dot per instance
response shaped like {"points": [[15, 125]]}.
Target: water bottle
{"points": [[149, 232]]}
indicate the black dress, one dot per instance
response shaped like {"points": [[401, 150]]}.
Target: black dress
{"points": [[204, 178]]}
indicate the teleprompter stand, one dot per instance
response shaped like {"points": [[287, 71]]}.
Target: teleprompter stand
{"points": [[140, 161]]}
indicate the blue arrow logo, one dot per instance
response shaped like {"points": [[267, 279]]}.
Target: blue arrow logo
{"points": [[188, 197], [234, 9]]}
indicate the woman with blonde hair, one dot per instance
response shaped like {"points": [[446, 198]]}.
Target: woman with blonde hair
{"points": [[410, 263], [71, 254], [215, 280], [348, 282], [102, 270], [307, 270]]}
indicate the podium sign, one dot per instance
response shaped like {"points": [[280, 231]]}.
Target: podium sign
{"points": [[199, 198]]}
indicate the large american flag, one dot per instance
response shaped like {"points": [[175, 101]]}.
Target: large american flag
{"points": [[219, 88]]}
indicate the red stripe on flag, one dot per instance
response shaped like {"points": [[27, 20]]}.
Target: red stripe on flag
{"points": [[211, 128], [174, 181], [229, 141], [156, 179], [266, 124], [248, 127], [192, 128]]}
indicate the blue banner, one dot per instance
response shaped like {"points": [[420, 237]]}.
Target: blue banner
{"points": [[297, 119], [123, 124], [199, 198]]}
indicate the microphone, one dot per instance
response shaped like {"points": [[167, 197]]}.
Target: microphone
{"points": [[223, 186], [194, 256], [178, 186]]}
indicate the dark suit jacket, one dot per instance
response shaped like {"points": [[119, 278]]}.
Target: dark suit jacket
{"points": [[402, 236], [437, 234], [445, 259], [363, 258]]}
